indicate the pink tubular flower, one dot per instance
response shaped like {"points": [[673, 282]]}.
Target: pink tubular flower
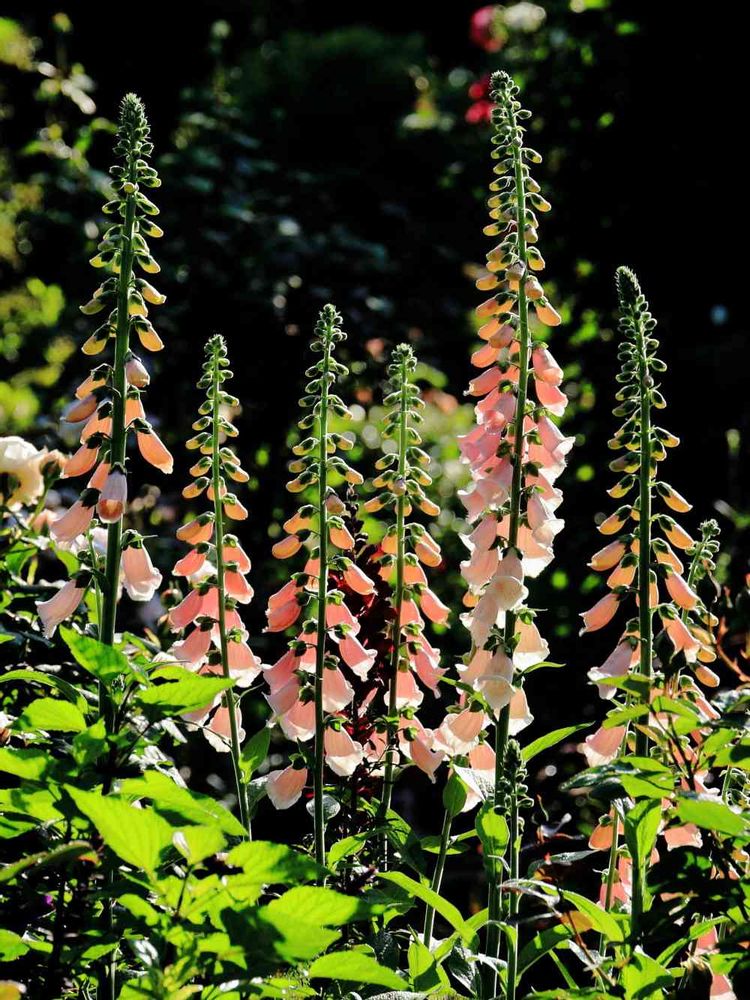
{"points": [[73, 522], [60, 606], [459, 733], [154, 451], [603, 746], [82, 462], [284, 788], [113, 497], [681, 593], [343, 755], [617, 664], [601, 614], [140, 577]]}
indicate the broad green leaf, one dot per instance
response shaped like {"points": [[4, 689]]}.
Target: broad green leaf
{"points": [[492, 829], [102, 661], [641, 827], [268, 863], [644, 979], [736, 755], [446, 910], [138, 836], [12, 946], [187, 694], [254, 753], [550, 740], [51, 714], [168, 796], [424, 972], [196, 843], [711, 814], [355, 967], [27, 763], [321, 906]]}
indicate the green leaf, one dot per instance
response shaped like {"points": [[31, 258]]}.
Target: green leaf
{"points": [[12, 946], [710, 814], [102, 661], [321, 906], [347, 846], [550, 740], [733, 755], [644, 979], [51, 714], [492, 829], [254, 753], [641, 827], [196, 843], [454, 795], [268, 863], [138, 836], [188, 693], [28, 763], [168, 796], [446, 910], [424, 972], [355, 967]]}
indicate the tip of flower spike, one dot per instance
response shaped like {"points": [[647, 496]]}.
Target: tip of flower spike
{"points": [[500, 82], [404, 354], [330, 315], [628, 287], [133, 128]]}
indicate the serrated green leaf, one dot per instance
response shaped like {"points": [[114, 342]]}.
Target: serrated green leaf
{"points": [[102, 661], [711, 814], [51, 714], [269, 863], [196, 843], [189, 693], [168, 796], [321, 906], [355, 967], [138, 836]]}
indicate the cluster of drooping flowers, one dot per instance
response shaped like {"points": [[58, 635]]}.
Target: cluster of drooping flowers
{"points": [[645, 571], [413, 662], [308, 688], [646, 574], [108, 402], [515, 452], [216, 567]]}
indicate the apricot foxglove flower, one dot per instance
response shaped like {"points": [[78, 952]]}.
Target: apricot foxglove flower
{"points": [[642, 566], [107, 404], [401, 481], [215, 639], [515, 452], [308, 687]]}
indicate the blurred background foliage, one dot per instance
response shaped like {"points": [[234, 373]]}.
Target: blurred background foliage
{"points": [[316, 152]]}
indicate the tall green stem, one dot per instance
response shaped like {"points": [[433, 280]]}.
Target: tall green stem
{"points": [[645, 613], [398, 600], [118, 440], [514, 846], [437, 876], [501, 729], [320, 650], [107, 987], [218, 485]]}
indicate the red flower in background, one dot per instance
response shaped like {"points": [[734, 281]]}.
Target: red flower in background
{"points": [[486, 29], [480, 112]]}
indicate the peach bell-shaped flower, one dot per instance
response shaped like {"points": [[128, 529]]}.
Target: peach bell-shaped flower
{"points": [[285, 787], [140, 577], [113, 497], [60, 606]]}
